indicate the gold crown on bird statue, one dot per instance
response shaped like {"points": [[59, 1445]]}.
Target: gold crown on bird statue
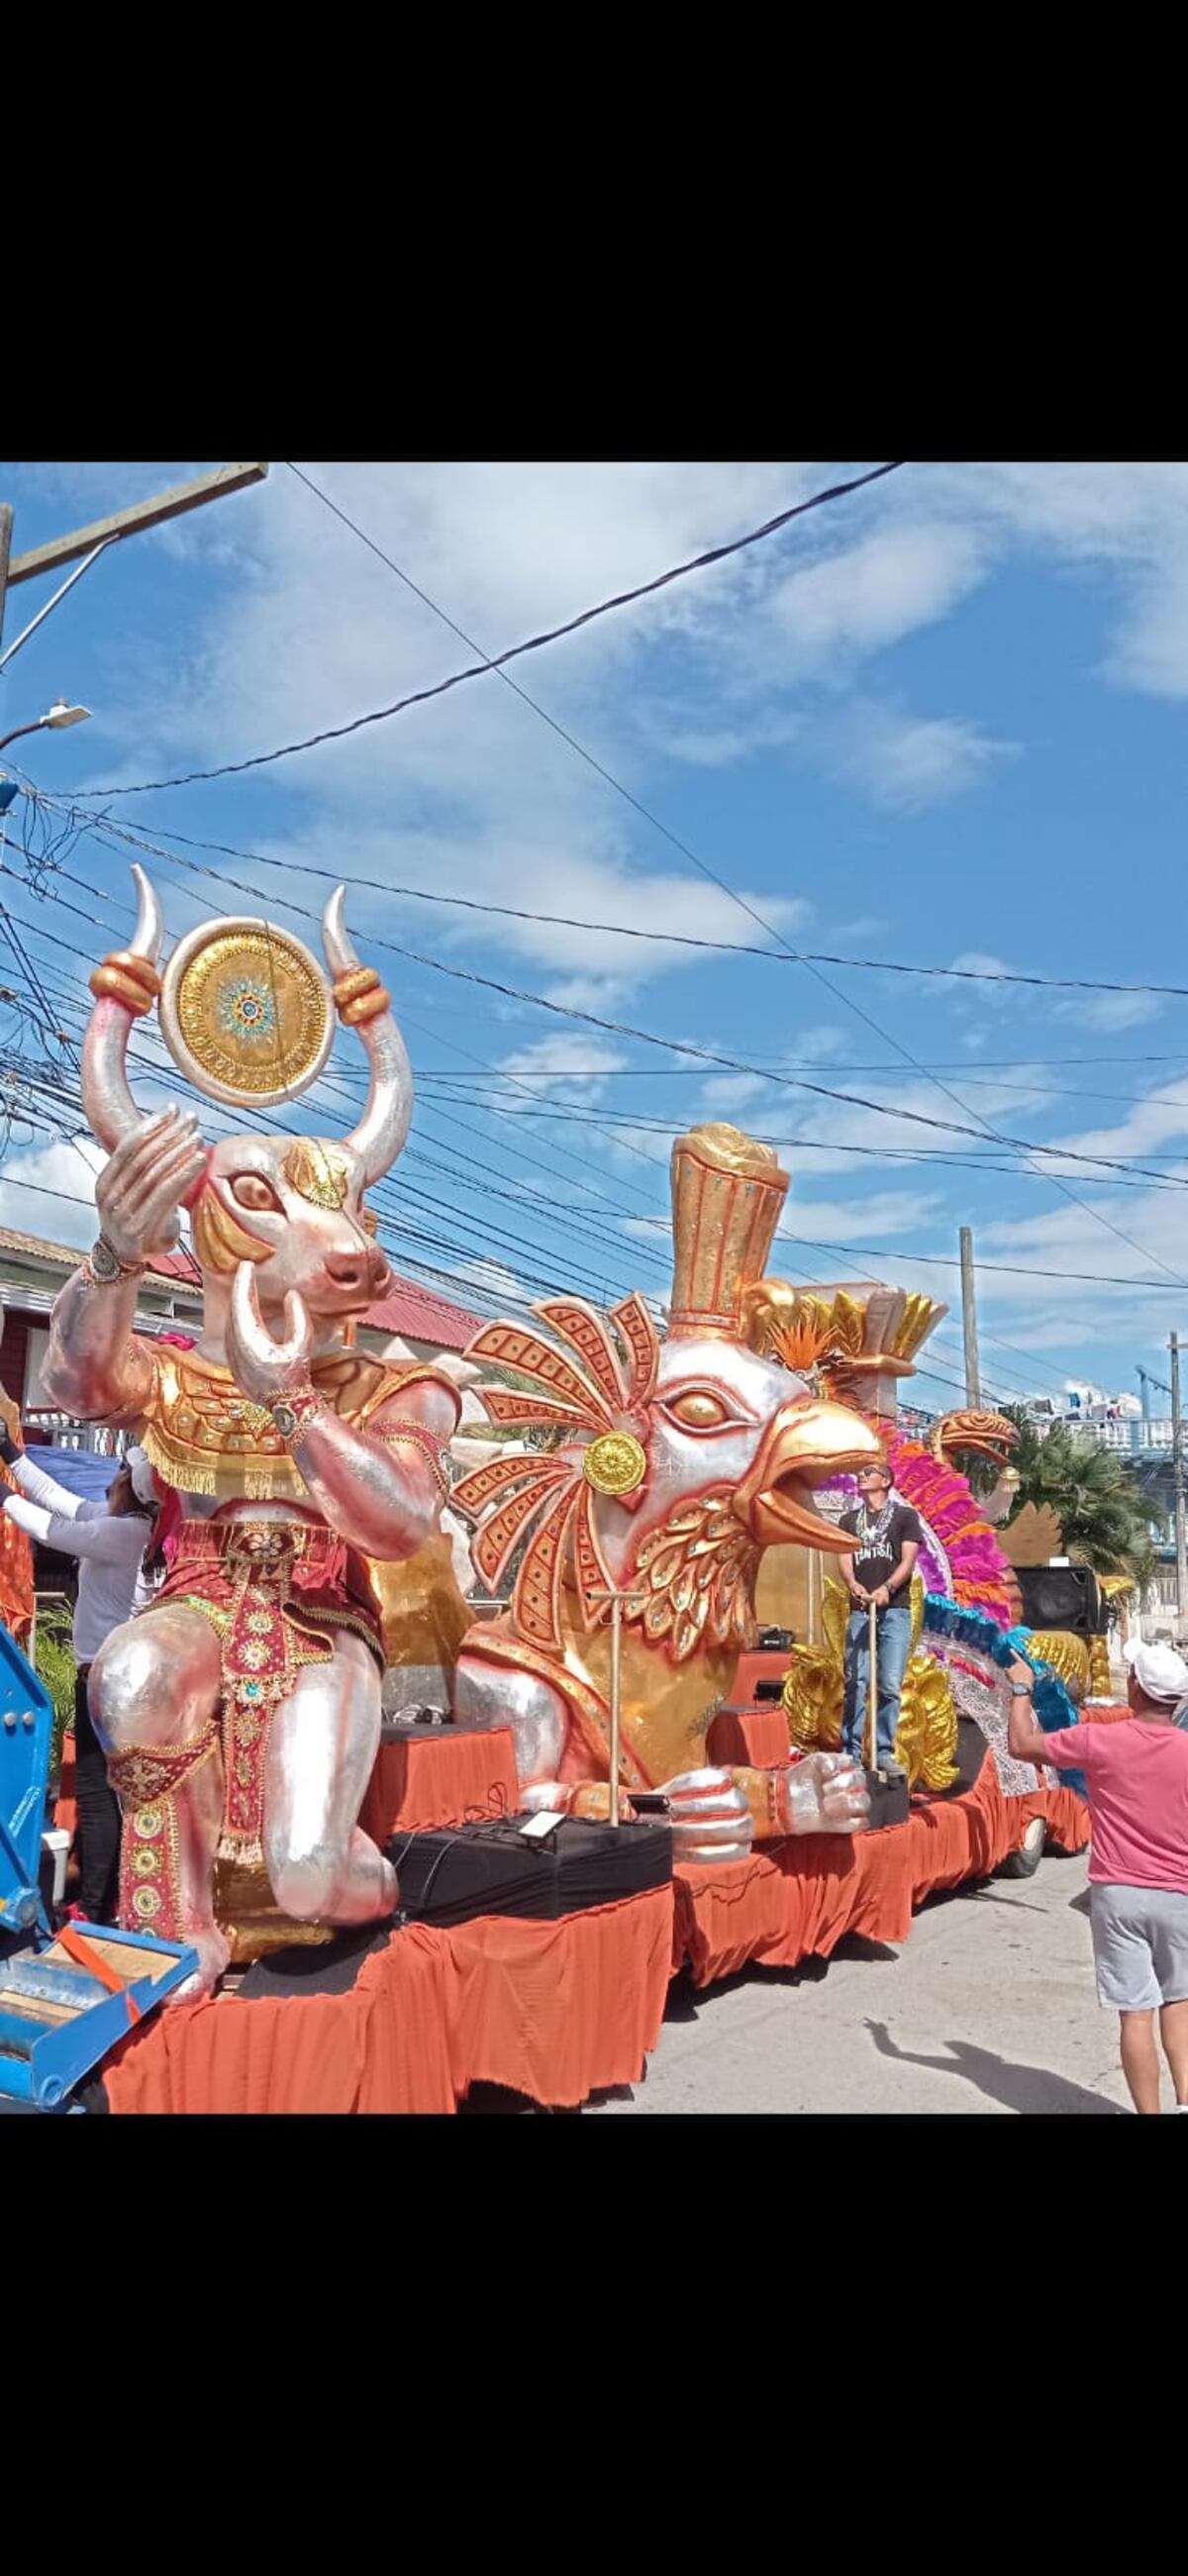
{"points": [[727, 1193], [845, 1341]]}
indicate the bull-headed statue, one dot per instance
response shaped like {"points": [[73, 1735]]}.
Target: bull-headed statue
{"points": [[678, 1464], [241, 1713]]}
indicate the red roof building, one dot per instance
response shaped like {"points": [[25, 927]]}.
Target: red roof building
{"points": [[33, 1270]]}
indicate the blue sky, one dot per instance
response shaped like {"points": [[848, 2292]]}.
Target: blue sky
{"points": [[941, 721]]}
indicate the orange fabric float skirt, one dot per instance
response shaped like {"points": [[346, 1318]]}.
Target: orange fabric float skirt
{"points": [[556, 2011], [798, 1899], [277, 1593], [440, 1776]]}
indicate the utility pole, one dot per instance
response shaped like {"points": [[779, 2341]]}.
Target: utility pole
{"points": [[1178, 1471], [91, 541], [969, 1317], [5, 549]]}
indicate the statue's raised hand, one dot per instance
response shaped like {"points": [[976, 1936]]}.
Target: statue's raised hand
{"points": [[264, 1367], [143, 1183]]}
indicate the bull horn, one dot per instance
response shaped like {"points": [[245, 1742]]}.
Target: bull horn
{"points": [[125, 987], [362, 1004]]}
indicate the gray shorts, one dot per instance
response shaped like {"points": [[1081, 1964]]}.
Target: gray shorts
{"points": [[1140, 1947]]}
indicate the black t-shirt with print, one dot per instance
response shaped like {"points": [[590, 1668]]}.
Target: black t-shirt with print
{"points": [[875, 1560]]}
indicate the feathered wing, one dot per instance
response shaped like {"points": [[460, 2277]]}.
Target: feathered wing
{"points": [[545, 1502]]}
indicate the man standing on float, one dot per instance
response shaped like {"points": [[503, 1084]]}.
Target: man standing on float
{"points": [[878, 1572]]}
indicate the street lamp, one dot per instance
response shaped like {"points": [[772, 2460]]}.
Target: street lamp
{"points": [[59, 715]]}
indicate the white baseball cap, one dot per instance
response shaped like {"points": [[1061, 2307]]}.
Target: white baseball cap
{"points": [[1158, 1670], [146, 1492]]}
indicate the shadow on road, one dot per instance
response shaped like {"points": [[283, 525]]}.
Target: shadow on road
{"points": [[1018, 2088], [685, 1999]]}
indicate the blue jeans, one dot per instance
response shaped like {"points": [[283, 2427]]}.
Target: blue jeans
{"points": [[894, 1631]]}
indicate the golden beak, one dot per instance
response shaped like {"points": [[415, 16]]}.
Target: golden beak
{"points": [[806, 1443]]}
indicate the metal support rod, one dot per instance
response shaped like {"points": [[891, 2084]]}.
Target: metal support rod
{"points": [[872, 1688], [616, 1616], [68, 584], [619, 1601], [969, 1317], [1178, 1472]]}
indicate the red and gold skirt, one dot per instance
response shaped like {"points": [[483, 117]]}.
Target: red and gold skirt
{"points": [[276, 1593]]}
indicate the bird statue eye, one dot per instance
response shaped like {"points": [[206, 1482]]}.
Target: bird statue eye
{"points": [[700, 1409], [251, 1190]]}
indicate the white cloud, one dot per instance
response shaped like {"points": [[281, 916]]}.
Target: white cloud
{"points": [[50, 1191], [885, 1212], [907, 762], [729, 1091], [567, 1060], [1110, 1010], [866, 596]]}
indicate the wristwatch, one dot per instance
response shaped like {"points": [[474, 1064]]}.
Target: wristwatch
{"points": [[106, 1266], [291, 1414]]}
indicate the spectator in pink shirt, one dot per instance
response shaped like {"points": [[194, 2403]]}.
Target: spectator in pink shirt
{"points": [[1137, 1779]]}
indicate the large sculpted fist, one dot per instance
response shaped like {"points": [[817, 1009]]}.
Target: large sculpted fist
{"points": [[825, 1794], [142, 1185], [709, 1815]]}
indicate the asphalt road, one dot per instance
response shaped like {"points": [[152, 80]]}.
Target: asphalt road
{"points": [[989, 2006]]}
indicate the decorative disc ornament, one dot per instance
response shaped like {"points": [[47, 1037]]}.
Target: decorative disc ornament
{"points": [[246, 1013], [615, 1463]]}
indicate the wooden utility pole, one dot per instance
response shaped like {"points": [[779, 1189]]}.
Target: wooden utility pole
{"points": [[121, 523], [1178, 1475], [969, 1317]]}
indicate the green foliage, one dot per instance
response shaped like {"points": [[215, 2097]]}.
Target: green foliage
{"points": [[1095, 1495], [55, 1666]]}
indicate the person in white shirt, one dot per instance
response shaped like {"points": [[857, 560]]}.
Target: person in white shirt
{"points": [[113, 1543]]}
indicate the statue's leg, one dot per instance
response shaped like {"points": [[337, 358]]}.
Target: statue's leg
{"points": [[322, 1745], [487, 1694], [155, 1695]]}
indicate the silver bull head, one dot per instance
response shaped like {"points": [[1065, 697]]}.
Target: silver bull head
{"points": [[292, 1206]]}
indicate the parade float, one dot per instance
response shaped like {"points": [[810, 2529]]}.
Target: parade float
{"points": [[695, 1478], [373, 1915]]}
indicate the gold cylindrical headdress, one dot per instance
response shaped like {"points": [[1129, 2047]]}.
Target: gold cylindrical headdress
{"points": [[727, 1193]]}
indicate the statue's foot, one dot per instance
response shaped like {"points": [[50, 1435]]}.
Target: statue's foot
{"points": [[214, 1957]]}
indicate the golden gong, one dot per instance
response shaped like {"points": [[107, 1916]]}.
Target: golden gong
{"points": [[246, 1013], [615, 1463]]}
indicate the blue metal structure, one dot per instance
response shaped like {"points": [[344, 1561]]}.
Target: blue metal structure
{"points": [[26, 1730], [64, 2002]]}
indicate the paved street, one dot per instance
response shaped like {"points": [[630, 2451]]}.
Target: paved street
{"points": [[989, 2006]]}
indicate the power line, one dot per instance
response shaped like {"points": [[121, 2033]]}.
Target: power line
{"points": [[880, 1254], [676, 1046], [813, 967], [785, 954], [532, 644]]}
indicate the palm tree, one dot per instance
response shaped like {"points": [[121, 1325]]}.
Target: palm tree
{"points": [[1101, 1508]]}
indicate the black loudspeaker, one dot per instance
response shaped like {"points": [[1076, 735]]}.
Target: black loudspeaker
{"points": [[1065, 1597], [454, 1873]]}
